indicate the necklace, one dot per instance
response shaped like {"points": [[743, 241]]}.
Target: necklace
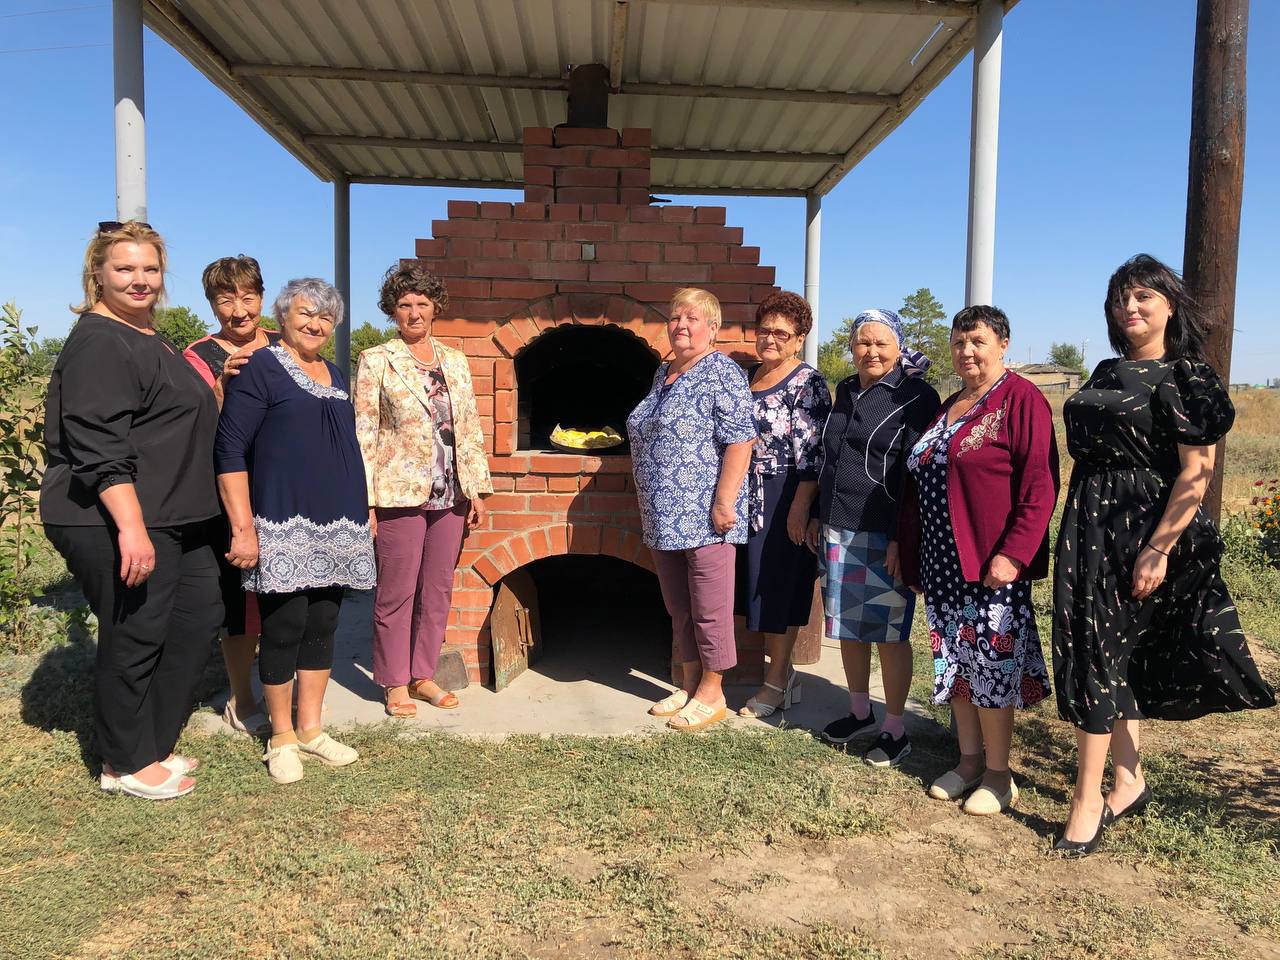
{"points": [[418, 360]]}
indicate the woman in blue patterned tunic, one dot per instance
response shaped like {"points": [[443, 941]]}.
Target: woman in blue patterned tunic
{"points": [[776, 570], [691, 443], [292, 481]]}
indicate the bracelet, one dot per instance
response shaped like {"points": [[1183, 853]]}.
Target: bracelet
{"points": [[1156, 549]]}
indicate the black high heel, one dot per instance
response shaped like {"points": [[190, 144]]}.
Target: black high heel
{"points": [[1136, 807], [1075, 849]]}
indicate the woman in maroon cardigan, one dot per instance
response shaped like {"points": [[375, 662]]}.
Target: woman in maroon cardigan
{"points": [[985, 484]]}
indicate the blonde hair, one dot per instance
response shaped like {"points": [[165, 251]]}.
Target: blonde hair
{"points": [[95, 255], [704, 301]]}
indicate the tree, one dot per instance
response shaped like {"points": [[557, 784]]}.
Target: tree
{"points": [[833, 356], [926, 329], [45, 355], [362, 338], [1068, 355], [180, 325]]}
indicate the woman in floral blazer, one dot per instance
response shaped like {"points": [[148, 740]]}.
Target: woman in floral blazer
{"points": [[426, 471]]}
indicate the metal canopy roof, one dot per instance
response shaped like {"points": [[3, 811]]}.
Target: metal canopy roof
{"points": [[772, 97]]}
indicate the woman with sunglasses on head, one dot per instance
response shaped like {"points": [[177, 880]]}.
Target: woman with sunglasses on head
{"points": [[128, 499], [1143, 623], [776, 571]]}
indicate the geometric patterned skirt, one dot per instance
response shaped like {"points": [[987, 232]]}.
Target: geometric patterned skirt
{"points": [[862, 602]]}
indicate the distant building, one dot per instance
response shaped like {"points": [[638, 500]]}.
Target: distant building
{"points": [[1049, 377]]}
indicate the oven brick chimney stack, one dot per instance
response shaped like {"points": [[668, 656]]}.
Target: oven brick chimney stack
{"points": [[586, 165]]}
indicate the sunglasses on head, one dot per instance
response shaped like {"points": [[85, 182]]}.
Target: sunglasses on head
{"points": [[111, 226]]}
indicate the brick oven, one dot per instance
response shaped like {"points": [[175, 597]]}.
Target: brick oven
{"points": [[559, 302]]}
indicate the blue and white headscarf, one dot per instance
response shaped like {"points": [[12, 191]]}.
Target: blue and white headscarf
{"points": [[914, 363]]}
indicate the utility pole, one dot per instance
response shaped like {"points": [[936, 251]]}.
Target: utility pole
{"points": [[1215, 183]]}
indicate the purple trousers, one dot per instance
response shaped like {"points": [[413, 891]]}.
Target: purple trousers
{"points": [[416, 551], [697, 588]]}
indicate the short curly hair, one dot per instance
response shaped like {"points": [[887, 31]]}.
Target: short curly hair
{"points": [[791, 307], [411, 277]]}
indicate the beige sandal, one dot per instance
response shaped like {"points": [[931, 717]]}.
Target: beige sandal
{"points": [[445, 700], [670, 706], [697, 715]]}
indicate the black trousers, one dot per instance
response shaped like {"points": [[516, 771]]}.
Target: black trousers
{"points": [[297, 632], [153, 639]]}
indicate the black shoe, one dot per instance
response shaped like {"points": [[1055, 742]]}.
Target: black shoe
{"points": [[1136, 807], [1075, 849], [846, 728], [888, 752]]}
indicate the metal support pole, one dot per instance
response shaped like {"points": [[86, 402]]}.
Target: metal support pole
{"points": [[342, 269], [983, 144], [812, 262], [1215, 185], [131, 144]]}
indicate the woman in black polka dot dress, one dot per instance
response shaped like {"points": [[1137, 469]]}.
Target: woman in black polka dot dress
{"points": [[1143, 624]]}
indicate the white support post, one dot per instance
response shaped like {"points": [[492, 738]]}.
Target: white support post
{"points": [[812, 261], [984, 141], [342, 269], [131, 144]]}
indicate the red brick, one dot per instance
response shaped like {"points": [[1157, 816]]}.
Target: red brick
{"points": [[466, 247], [710, 215], [484, 406], [685, 273], [611, 482], [613, 251], [558, 271], [494, 210], [623, 272], [584, 538], [429, 248], [539, 542], [713, 253], [516, 230], [508, 339], [530, 211], [533, 484], [480, 385], [539, 176], [679, 253], [644, 252], [480, 366], [497, 249], [531, 250], [469, 289], [730, 292], [709, 233], [503, 484], [741, 273], [619, 158], [519, 521], [504, 374], [573, 286], [521, 551], [539, 194], [564, 212], [456, 327], [635, 178], [644, 214], [522, 289], [472, 599], [550, 502], [555, 156], [588, 232], [652, 292], [637, 137], [508, 502], [463, 208], [504, 438], [613, 212], [585, 177], [506, 269], [537, 136], [562, 463], [488, 570], [585, 136], [655, 232], [480, 347], [564, 251], [677, 214], [744, 254], [562, 484], [587, 194], [634, 196], [526, 328], [481, 229], [559, 537]]}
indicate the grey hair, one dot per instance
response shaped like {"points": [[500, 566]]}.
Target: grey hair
{"points": [[322, 296]]}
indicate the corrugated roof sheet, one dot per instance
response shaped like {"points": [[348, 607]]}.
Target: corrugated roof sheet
{"points": [[817, 45]]}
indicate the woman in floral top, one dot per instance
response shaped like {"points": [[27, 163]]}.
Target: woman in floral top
{"points": [[776, 571], [691, 443]]}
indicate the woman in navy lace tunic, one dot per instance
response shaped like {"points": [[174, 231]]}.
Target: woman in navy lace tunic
{"points": [[293, 483], [1143, 623], [776, 570]]}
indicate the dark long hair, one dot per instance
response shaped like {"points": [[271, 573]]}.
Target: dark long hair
{"points": [[1185, 334]]}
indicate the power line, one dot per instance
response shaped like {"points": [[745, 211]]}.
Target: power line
{"points": [[70, 46], [37, 13]]}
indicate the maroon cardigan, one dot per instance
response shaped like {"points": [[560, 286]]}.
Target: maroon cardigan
{"points": [[1002, 485]]}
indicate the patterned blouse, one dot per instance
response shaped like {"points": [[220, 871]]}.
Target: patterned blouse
{"points": [[678, 435], [789, 417], [444, 486]]}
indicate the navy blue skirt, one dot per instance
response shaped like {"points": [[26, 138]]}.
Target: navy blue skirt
{"points": [[775, 576]]}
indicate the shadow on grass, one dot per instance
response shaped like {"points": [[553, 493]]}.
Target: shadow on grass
{"points": [[59, 695]]}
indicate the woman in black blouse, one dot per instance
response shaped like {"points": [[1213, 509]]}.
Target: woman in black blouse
{"points": [[879, 414], [127, 497]]}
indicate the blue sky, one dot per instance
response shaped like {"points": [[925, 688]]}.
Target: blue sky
{"points": [[1093, 151]]}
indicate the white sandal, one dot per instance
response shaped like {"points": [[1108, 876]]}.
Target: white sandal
{"points": [[698, 716], [128, 783], [760, 710], [670, 706]]}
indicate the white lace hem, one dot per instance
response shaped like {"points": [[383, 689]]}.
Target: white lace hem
{"points": [[301, 379], [298, 554]]}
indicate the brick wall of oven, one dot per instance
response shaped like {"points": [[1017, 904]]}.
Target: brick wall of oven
{"points": [[515, 270]]}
